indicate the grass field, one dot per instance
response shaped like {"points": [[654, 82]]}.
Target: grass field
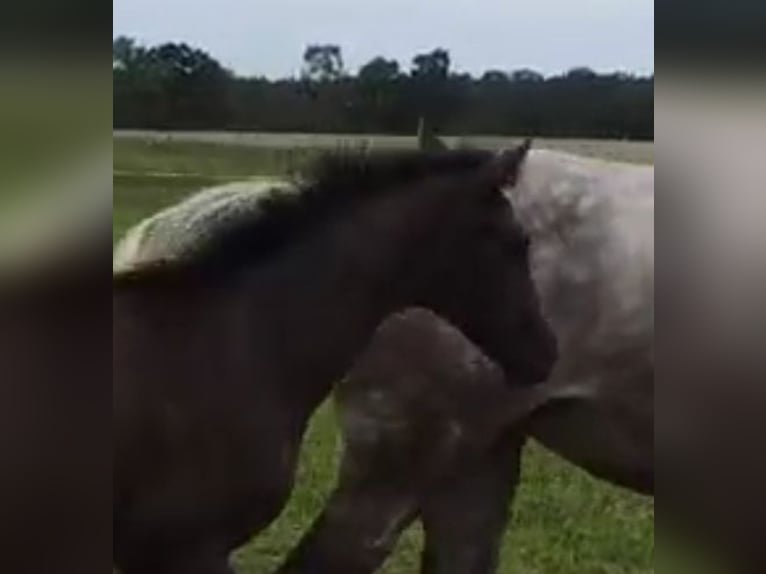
{"points": [[565, 521]]}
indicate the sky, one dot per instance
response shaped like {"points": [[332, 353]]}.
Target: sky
{"points": [[267, 37]]}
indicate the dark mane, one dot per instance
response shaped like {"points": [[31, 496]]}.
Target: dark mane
{"points": [[333, 183]]}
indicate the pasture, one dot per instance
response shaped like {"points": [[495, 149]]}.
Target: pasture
{"points": [[565, 522]]}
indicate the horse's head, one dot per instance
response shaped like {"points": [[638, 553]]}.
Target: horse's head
{"points": [[481, 279]]}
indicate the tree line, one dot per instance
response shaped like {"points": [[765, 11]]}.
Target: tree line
{"points": [[177, 86]]}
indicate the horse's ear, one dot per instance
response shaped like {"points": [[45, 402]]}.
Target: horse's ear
{"points": [[507, 164], [524, 148]]}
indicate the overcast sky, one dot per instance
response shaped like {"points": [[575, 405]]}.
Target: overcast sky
{"points": [[267, 37]]}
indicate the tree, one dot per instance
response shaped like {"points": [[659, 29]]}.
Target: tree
{"points": [[431, 65], [379, 72], [494, 77], [582, 73], [376, 95], [170, 85], [322, 62], [526, 75], [432, 91], [176, 86], [124, 52]]}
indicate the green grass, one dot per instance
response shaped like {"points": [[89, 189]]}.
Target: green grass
{"points": [[212, 160], [565, 522]]}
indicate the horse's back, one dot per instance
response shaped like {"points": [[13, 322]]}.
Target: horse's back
{"points": [[181, 229]]}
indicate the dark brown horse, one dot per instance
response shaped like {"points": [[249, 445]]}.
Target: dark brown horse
{"points": [[221, 357]]}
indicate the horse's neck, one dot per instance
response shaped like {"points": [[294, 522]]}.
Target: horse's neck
{"points": [[592, 227], [561, 197], [555, 192], [326, 297]]}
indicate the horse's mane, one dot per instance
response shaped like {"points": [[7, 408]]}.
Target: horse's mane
{"points": [[330, 185]]}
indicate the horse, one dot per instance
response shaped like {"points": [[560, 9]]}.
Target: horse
{"points": [[222, 353], [591, 226]]}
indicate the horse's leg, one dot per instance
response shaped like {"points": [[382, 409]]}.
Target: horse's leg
{"points": [[375, 499], [465, 518], [356, 531]]}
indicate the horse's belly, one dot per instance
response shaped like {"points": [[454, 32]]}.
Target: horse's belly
{"points": [[610, 436]]}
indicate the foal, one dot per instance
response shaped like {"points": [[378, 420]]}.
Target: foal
{"points": [[223, 352]]}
